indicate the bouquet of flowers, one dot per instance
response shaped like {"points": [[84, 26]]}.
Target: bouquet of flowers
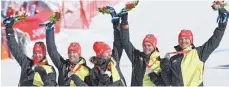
{"points": [[52, 19], [218, 4], [109, 10]]}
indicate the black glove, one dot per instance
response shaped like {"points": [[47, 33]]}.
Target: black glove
{"points": [[70, 73], [124, 16], [153, 77], [42, 72], [156, 79], [50, 24], [115, 21], [9, 22], [165, 63], [223, 15], [75, 77], [105, 79], [78, 81]]}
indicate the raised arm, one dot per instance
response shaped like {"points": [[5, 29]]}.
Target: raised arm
{"points": [[208, 47], [57, 59], [117, 47], [125, 37], [18, 54]]}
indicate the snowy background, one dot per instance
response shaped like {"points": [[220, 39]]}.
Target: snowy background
{"points": [[164, 18]]}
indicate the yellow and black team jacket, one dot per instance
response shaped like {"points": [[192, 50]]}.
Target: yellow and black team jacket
{"points": [[187, 69], [140, 62], [117, 78], [80, 76], [81, 70], [28, 76], [97, 77]]}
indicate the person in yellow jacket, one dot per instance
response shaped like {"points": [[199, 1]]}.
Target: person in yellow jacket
{"points": [[186, 67], [35, 71], [145, 65], [72, 71], [106, 70]]}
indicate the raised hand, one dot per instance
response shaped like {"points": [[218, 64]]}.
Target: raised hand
{"points": [[223, 15]]}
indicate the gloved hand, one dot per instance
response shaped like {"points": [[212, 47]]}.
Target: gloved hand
{"points": [[115, 21], [9, 22], [148, 70], [123, 12], [34, 66], [107, 73], [74, 77], [50, 24], [153, 76], [111, 10], [167, 56], [105, 79], [223, 15], [165, 62], [70, 73], [39, 69], [42, 72]]}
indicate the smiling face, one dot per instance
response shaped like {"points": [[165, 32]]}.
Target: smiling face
{"points": [[148, 48], [73, 56], [39, 52], [37, 57], [184, 42]]}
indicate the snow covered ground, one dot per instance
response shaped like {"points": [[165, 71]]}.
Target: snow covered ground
{"points": [[164, 18]]}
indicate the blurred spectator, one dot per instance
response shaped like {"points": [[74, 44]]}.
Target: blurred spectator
{"points": [[24, 8], [34, 8]]}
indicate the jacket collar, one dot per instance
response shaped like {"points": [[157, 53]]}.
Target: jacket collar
{"points": [[178, 48]]}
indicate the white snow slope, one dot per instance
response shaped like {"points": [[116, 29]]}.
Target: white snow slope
{"points": [[163, 18]]}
